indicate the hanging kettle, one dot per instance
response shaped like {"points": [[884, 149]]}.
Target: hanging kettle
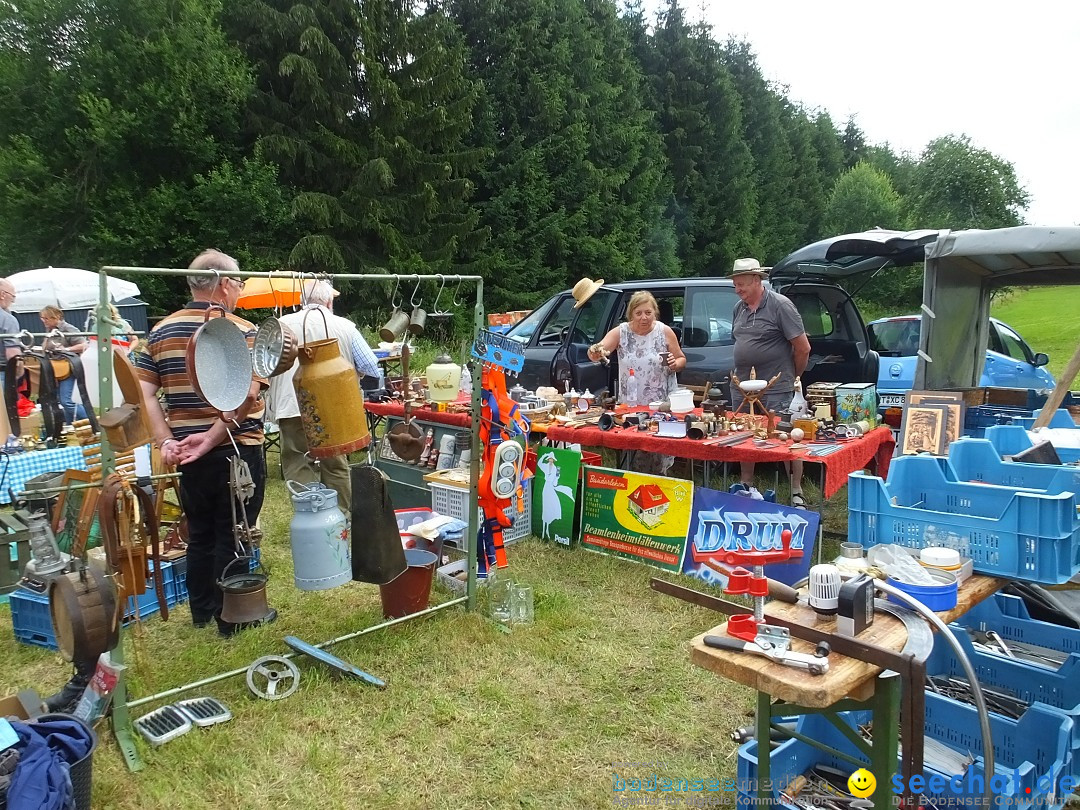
{"points": [[319, 538], [331, 404]]}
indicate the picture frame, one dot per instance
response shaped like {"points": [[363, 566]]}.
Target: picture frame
{"points": [[72, 505], [923, 429], [954, 427]]}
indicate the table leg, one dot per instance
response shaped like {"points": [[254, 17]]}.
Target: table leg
{"points": [[886, 745], [764, 735]]}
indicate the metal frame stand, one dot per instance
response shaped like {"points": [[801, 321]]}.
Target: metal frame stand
{"points": [[121, 720]]}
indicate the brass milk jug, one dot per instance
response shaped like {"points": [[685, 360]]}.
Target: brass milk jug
{"points": [[331, 405]]}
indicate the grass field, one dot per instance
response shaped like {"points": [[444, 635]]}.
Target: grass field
{"points": [[472, 716], [1046, 317]]}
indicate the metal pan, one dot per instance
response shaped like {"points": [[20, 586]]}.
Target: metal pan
{"points": [[219, 362], [275, 349]]}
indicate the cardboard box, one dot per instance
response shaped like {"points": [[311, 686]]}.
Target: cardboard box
{"points": [[25, 705], [857, 402]]}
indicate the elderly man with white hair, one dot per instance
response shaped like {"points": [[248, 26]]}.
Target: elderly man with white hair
{"points": [[281, 404]]}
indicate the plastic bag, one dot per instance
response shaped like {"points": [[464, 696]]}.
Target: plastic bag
{"points": [[95, 698]]}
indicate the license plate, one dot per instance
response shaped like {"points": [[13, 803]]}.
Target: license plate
{"points": [[891, 400]]}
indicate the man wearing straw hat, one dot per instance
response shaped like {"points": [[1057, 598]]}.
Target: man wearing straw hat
{"points": [[282, 407], [196, 437], [770, 338]]}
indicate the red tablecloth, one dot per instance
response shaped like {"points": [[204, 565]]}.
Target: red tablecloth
{"points": [[424, 414], [855, 454]]}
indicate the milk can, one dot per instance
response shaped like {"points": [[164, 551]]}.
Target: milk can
{"points": [[319, 537], [331, 405]]}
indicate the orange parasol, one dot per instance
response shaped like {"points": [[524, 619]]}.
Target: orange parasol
{"points": [[268, 293]]}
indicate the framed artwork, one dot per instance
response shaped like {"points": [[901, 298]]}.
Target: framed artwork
{"points": [[954, 427], [923, 429], [73, 505]]}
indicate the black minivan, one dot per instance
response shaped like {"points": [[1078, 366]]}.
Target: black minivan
{"points": [[557, 336]]}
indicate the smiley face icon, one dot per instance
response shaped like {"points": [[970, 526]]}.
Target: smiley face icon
{"points": [[861, 783]]}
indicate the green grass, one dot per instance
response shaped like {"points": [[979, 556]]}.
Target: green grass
{"points": [[472, 716], [1046, 318]]}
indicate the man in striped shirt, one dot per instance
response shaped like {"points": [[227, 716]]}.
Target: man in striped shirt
{"points": [[194, 436]]}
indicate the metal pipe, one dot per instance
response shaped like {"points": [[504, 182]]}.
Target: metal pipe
{"points": [[232, 673], [969, 671], [171, 271]]}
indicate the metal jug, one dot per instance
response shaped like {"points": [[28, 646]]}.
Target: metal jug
{"points": [[331, 405], [319, 536]]}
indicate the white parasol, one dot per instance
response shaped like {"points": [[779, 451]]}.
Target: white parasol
{"points": [[64, 287]]}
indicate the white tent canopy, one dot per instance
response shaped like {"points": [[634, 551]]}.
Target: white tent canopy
{"points": [[961, 269], [64, 287]]}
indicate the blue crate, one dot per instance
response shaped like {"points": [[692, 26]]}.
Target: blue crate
{"points": [[1009, 440], [1059, 690], [1061, 419], [977, 460], [30, 618], [1031, 748], [1008, 532], [979, 418], [1008, 615]]}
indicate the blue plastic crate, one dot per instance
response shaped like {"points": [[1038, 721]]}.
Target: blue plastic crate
{"points": [[980, 417], [1061, 419], [1033, 747], [1009, 440], [977, 460], [1058, 690], [1008, 532], [30, 618], [1008, 615]]}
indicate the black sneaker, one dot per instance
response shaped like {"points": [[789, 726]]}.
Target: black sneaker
{"points": [[229, 629]]}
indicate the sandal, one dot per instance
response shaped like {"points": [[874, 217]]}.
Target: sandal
{"points": [[797, 500]]}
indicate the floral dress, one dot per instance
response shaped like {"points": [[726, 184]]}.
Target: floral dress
{"points": [[642, 354], [654, 382]]}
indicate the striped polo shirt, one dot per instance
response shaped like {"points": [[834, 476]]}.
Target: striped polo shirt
{"points": [[164, 364]]}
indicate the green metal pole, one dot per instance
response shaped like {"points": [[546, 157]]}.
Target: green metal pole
{"points": [[474, 460], [121, 720]]}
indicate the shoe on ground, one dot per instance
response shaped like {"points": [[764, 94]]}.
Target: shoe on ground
{"points": [[798, 500], [230, 629]]}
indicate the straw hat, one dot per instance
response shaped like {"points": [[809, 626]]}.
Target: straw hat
{"points": [[584, 290], [744, 267]]}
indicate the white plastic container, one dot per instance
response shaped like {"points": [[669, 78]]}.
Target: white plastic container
{"points": [[682, 400]]}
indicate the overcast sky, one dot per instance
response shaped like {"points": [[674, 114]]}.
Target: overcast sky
{"points": [[1003, 74]]}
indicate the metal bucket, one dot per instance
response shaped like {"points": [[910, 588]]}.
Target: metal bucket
{"points": [[243, 594], [319, 536], [409, 592]]}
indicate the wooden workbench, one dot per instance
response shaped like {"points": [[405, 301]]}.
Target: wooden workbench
{"points": [[847, 677], [849, 683]]}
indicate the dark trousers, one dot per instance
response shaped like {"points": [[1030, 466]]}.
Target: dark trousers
{"points": [[206, 498]]}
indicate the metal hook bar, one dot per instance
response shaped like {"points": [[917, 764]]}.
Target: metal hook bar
{"points": [[412, 298], [457, 289]]}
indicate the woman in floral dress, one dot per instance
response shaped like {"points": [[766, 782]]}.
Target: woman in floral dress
{"points": [[651, 349]]}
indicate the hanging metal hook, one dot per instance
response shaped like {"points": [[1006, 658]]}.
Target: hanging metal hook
{"points": [[457, 289], [437, 313], [397, 284], [412, 298]]}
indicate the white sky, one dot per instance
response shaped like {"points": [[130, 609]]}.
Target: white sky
{"points": [[1006, 75]]}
